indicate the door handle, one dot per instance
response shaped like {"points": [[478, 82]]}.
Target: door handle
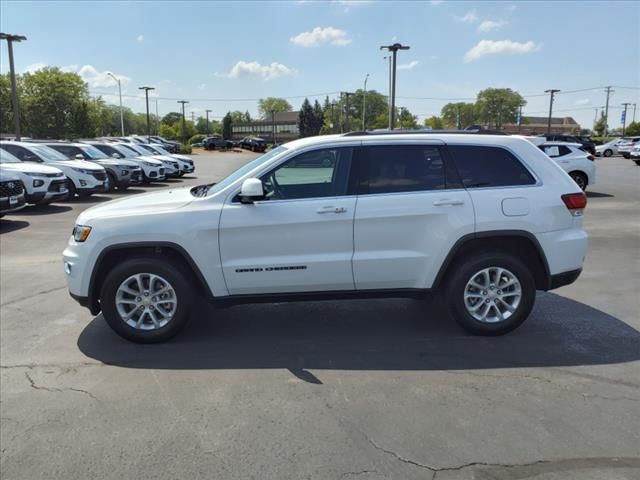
{"points": [[446, 201], [331, 210]]}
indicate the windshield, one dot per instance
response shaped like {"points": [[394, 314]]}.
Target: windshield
{"points": [[124, 151], [247, 168], [137, 148], [160, 150], [6, 157], [93, 153], [48, 154]]}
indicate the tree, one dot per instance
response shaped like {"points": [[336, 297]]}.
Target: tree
{"points": [[633, 129], [434, 122], [318, 118], [465, 112], [406, 120], [497, 106], [247, 117], [227, 122], [600, 126], [171, 118], [201, 125], [306, 119], [237, 116], [272, 104]]}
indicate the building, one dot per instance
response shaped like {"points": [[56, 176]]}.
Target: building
{"points": [[538, 125], [285, 125]]}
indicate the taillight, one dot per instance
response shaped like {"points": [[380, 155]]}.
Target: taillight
{"points": [[575, 202], [591, 157]]}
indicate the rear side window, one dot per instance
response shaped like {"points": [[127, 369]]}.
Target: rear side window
{"points": [[404, 168], [481, 166]]}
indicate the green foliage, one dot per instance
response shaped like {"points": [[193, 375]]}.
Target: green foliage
{"points": [[269, 104], [171, 118], [310, 119], [632, 130], [168, 132], [227, 121], [185, 148], [6, 109], [197, 138], [497, 106], [406, 120], [600, 125], [237, 116], [466, 111], [436, 123]]}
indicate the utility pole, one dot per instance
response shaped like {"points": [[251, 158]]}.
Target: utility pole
{"points": [[364, 104], [183, 102], [157, 119], [207, 112], [392, 107], [520, 117], [146, 94], [552, 92], [624, 116], [634, 113], [346, 110], [120, 94], [193, 116], [458, 117], [606, 114], [14, 92]]}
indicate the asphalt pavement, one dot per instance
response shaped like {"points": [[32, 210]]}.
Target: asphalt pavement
{"points": [[367, 389]]}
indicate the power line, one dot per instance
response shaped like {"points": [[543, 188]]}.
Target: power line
{"points": [[222, 99]]}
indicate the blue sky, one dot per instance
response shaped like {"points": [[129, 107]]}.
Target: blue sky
{"points": [[214, 52]]}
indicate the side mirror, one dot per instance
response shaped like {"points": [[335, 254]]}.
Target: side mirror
{"points": [[251, 190], [79, 157], [115, 155]]}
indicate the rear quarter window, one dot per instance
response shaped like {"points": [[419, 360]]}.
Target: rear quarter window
{"points": [[486, 166]]}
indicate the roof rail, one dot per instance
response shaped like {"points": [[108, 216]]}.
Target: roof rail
{"points": [[422, 132]]}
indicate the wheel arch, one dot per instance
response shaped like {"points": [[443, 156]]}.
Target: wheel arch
{"points": [[114, 254], [522, 244]]}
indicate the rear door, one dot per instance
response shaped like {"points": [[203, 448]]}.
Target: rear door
{"points": [[411, 209]]}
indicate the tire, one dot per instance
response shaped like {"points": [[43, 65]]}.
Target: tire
{"points": [[626, 155], [637, 162], [181, 174], [72, 190], [608, 152], [112, 182], [459, 284], [150, 331], [580, 179], [145, 180]]}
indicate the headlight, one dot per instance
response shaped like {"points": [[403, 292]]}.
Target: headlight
{"points": [[33, 174], [124, 172], [82, 170], [81, 233], [149, 164]]}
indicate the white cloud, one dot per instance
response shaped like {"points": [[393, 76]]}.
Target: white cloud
{"points": [[408, 66], [140, 38], [254, 69], [96, 78], [34, 67], [319, 36], [202, 86], [500, 47], [470, 17], [512, 8], [583, 101], [488, 25]]}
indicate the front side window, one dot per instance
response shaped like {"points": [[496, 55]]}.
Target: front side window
{"points": [[318, 173], [405, 168], [485, 166]]}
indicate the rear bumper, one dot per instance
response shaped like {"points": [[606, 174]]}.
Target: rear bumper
{"points": [[565, 278]]}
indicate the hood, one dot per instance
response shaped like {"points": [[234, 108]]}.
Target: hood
{"points": [[147, 203], [29, 167], [153, 161], [76, 164], [12, 177], [164, 158], [182, 157], [116, 162]]}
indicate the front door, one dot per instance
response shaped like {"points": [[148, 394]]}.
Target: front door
{"points": [[300, 238]]}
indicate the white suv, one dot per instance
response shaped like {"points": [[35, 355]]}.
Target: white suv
{"points": [[487, 219], [579, 164]]}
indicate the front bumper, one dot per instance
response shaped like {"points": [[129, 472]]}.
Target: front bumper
{"points": [[95, 189], [7, 207]]}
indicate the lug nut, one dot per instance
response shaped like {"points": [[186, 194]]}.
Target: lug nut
{"points": [[499, 292], [484, 292], [138, 299], [487, 301]]}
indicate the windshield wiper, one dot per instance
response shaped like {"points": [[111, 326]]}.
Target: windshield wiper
{"points": [[201, 190]]}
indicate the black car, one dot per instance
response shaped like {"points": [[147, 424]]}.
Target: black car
{"points": [[169, 145], [212, 143], [254, 144], [586, 143]]}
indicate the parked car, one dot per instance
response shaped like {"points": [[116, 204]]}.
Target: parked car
{"points": [[12, 192], [634, 154], [185, 164], [169, 145], [43, 184], [171, 167], [212, 143], [625, 146], [121, 173], [586, 143], [578, 163], [152, 170], [254, 144], [486, 218], [85, 178], [609, 148]]}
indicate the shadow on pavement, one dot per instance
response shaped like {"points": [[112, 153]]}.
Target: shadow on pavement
{"points": [[598, 195], [390, 334], [95, 198], [44, 209], [7, 225]]}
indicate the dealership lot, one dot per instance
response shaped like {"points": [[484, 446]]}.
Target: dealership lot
{"points": [[367, 388]]}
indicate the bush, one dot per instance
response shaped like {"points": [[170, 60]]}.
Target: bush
{"points": [[185, 148], [197, 138]]}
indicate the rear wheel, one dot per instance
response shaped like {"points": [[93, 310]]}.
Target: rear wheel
{"points": [[111, 182], [490, 293], [145, 300], [607, 153], [580, 179]]}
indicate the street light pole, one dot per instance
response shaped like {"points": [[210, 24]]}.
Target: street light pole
{"points": [[552, 92], [364, 103], [394, 50], [183, 102], [207, 112], [634, 113], [146, 94], [624, 116], [120, 94], [14, 91]]}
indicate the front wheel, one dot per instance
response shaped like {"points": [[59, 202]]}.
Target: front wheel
{"points": [[111, 183], [608, 152], [490, 294], [580, 179], [145, 300]]}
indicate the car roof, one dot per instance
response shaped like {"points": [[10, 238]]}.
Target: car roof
{"points": [[567, 144]]}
